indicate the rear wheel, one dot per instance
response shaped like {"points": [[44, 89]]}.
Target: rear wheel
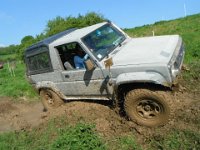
{"points": [[148, 108], [50, 99]]}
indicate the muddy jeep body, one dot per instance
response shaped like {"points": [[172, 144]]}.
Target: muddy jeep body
{"points": [[127, 70]]}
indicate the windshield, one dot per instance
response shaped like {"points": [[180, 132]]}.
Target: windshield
{"points": [[103, 41]]}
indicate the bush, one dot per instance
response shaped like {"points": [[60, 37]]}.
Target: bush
{"points": [[125, 143], [178, 140], [82, 137]]}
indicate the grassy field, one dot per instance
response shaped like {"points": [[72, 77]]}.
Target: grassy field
{"points": [[15, 85], [4, 58], [58, 134]]}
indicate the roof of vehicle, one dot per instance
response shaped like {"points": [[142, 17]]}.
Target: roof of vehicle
{"points": [[68, 35], [50, 39], [77, 34]]}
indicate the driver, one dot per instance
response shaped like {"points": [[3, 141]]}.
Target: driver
{"points": [[79, 58]]}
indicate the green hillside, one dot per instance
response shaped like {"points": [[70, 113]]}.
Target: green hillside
{"points": [[188, 28]]}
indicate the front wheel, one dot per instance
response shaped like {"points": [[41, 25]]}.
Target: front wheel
{"points": [[148, 108], [50, 99]]}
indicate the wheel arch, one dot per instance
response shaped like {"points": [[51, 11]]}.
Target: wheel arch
{"points": [[143, 77], [51, 86], [123, 89], [154, 80]]}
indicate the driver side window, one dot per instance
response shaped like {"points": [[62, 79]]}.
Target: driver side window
{"points": [[71, 55]]}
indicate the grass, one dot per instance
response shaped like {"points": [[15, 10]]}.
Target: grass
{"points": [[15, 86], [56, 135], [4, 58], [80, 137], [177, 140], [191, 77], [124, 143], [59, 134]]}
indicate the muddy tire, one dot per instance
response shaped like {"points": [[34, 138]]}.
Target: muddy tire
{"points": [[148, 108], [50, 99]]}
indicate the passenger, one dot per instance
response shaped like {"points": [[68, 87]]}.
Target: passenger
{"points": [[79, 58]]}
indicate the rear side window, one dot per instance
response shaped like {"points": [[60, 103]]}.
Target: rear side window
{"points": [[39, 63]]}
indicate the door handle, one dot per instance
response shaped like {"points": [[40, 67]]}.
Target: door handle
{"points": [[67, 76]]}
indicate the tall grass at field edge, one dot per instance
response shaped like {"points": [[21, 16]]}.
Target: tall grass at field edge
{"points": [[15, 85]]}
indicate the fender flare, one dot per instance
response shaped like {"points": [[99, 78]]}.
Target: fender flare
{"points": [[49, 85], [142, 77]]}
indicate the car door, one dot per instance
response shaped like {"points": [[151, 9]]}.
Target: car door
{"points": [[84, 83], [80, 82]]}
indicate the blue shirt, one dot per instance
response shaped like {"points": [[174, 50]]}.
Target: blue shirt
{"points": [[79, 62]]}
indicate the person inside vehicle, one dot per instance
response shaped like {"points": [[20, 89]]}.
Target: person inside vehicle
{"points": [[79, 58]]}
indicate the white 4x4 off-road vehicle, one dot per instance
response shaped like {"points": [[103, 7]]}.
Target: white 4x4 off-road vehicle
{"points": [[136, 72]]}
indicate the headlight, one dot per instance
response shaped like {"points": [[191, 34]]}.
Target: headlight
{"points": [[175, 72], [176, 62]]}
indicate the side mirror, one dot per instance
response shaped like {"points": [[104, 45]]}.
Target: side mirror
{"points": [[89, 65]]}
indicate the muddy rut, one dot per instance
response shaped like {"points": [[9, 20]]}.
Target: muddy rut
{"points": [[26, 115]]}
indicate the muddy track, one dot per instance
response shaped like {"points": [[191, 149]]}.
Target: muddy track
{"points": [[25, 116]]}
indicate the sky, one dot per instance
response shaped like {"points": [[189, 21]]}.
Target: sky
{"points": [[19, 18]]}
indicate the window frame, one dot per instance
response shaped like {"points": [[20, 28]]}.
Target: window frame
{"points": [[73, 65], [37, 52], [110, 25]]}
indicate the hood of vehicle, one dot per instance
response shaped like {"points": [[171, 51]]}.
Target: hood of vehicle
{"points": [[157, 49]]}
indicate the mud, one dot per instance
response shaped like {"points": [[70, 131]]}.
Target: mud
{"points": [[19, 116], [26, 115]]}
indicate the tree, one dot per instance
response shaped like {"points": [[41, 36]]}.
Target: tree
{"points": [[25, 42], [27, 39], [60, 24]]}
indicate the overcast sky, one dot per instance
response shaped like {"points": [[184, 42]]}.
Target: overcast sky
{"points": [[19, 18]]}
